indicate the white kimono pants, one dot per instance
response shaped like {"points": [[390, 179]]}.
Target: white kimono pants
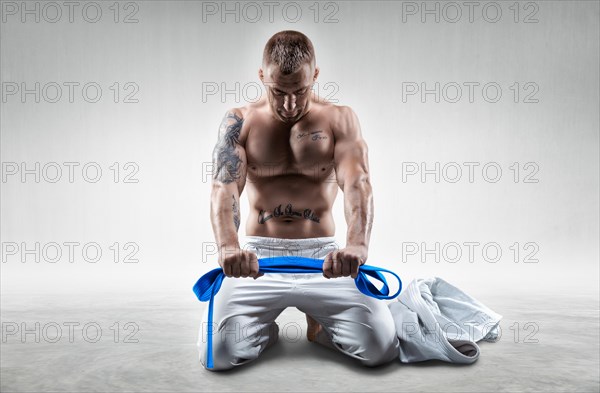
{"points": [[245, 309]]}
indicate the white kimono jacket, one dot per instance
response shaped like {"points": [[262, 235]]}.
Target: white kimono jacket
{"points": [[435, 320]]}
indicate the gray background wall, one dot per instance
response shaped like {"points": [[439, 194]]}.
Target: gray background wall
{"points": [[368, 53]]}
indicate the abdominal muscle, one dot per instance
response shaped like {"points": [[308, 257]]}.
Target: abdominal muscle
{"points": [[290, 207]]}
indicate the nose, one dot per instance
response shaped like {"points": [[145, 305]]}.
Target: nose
{"points": [[289, 104]]}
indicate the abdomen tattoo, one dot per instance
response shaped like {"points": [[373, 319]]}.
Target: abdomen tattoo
{"points": [[289, 211]]}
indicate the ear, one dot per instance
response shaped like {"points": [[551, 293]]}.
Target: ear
{"points": [[261, 75], [316, 74]]}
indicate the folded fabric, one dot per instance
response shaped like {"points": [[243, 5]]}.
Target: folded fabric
{"points": [[435, 320]]}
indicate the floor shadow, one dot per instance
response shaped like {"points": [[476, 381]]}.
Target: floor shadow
{"points": [[433, 363], [307, 351]]}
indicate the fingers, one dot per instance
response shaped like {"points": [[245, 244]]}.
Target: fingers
{"points": [[235, 269], [253, 265], [341, 264], [347, 267], [354, 268], [337, 264], [232, 264], [227, 268], [328, 265], [227, 257], [245, 265], [241, 264]]}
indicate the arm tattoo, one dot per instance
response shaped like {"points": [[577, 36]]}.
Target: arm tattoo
{"points": [[225, 158], [307, 214], [236, 213]]}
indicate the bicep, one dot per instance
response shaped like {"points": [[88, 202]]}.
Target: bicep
{"points": [[229, 157], [351, 151]]}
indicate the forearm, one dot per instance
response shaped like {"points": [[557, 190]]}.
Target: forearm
{"points": [[225, 215], [358, 209]]}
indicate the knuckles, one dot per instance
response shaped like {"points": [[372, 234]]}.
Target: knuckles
{"points": [[235, 265], [340, 264]]}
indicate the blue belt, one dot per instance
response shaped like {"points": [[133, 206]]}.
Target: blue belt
{"points": [[209, 284]]}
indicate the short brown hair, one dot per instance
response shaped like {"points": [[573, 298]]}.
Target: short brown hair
{"points": [[289, 50]]}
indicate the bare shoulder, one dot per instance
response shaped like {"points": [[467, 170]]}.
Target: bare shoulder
{"points": [[232, 116], [233, 125], [252, 108], [245, 116], [344, 122], [246, 112], [230, 127]]}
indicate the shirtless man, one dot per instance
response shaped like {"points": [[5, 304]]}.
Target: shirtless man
{"points": [[291, 150]]}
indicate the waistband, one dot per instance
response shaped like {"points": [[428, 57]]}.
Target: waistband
{"points": [[282, 243]]}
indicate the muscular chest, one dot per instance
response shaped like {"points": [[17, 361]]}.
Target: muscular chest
{"points": [[302, 149]]}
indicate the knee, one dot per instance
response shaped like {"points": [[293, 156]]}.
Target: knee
{"points": [[226, 353], [218, 355], [381, 353], [235, 347], [380, 358], [375, 347]]}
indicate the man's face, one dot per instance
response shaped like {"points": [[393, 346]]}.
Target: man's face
{"points": [[288, 95]]}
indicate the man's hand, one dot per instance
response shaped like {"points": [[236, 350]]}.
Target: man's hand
{"points": [[344, 262], [239, 263]]}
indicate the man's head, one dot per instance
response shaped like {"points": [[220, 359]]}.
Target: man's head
{"points": [[288, 72]]}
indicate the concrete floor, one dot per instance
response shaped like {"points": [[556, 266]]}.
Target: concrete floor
{"points": [[557, 351]]}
